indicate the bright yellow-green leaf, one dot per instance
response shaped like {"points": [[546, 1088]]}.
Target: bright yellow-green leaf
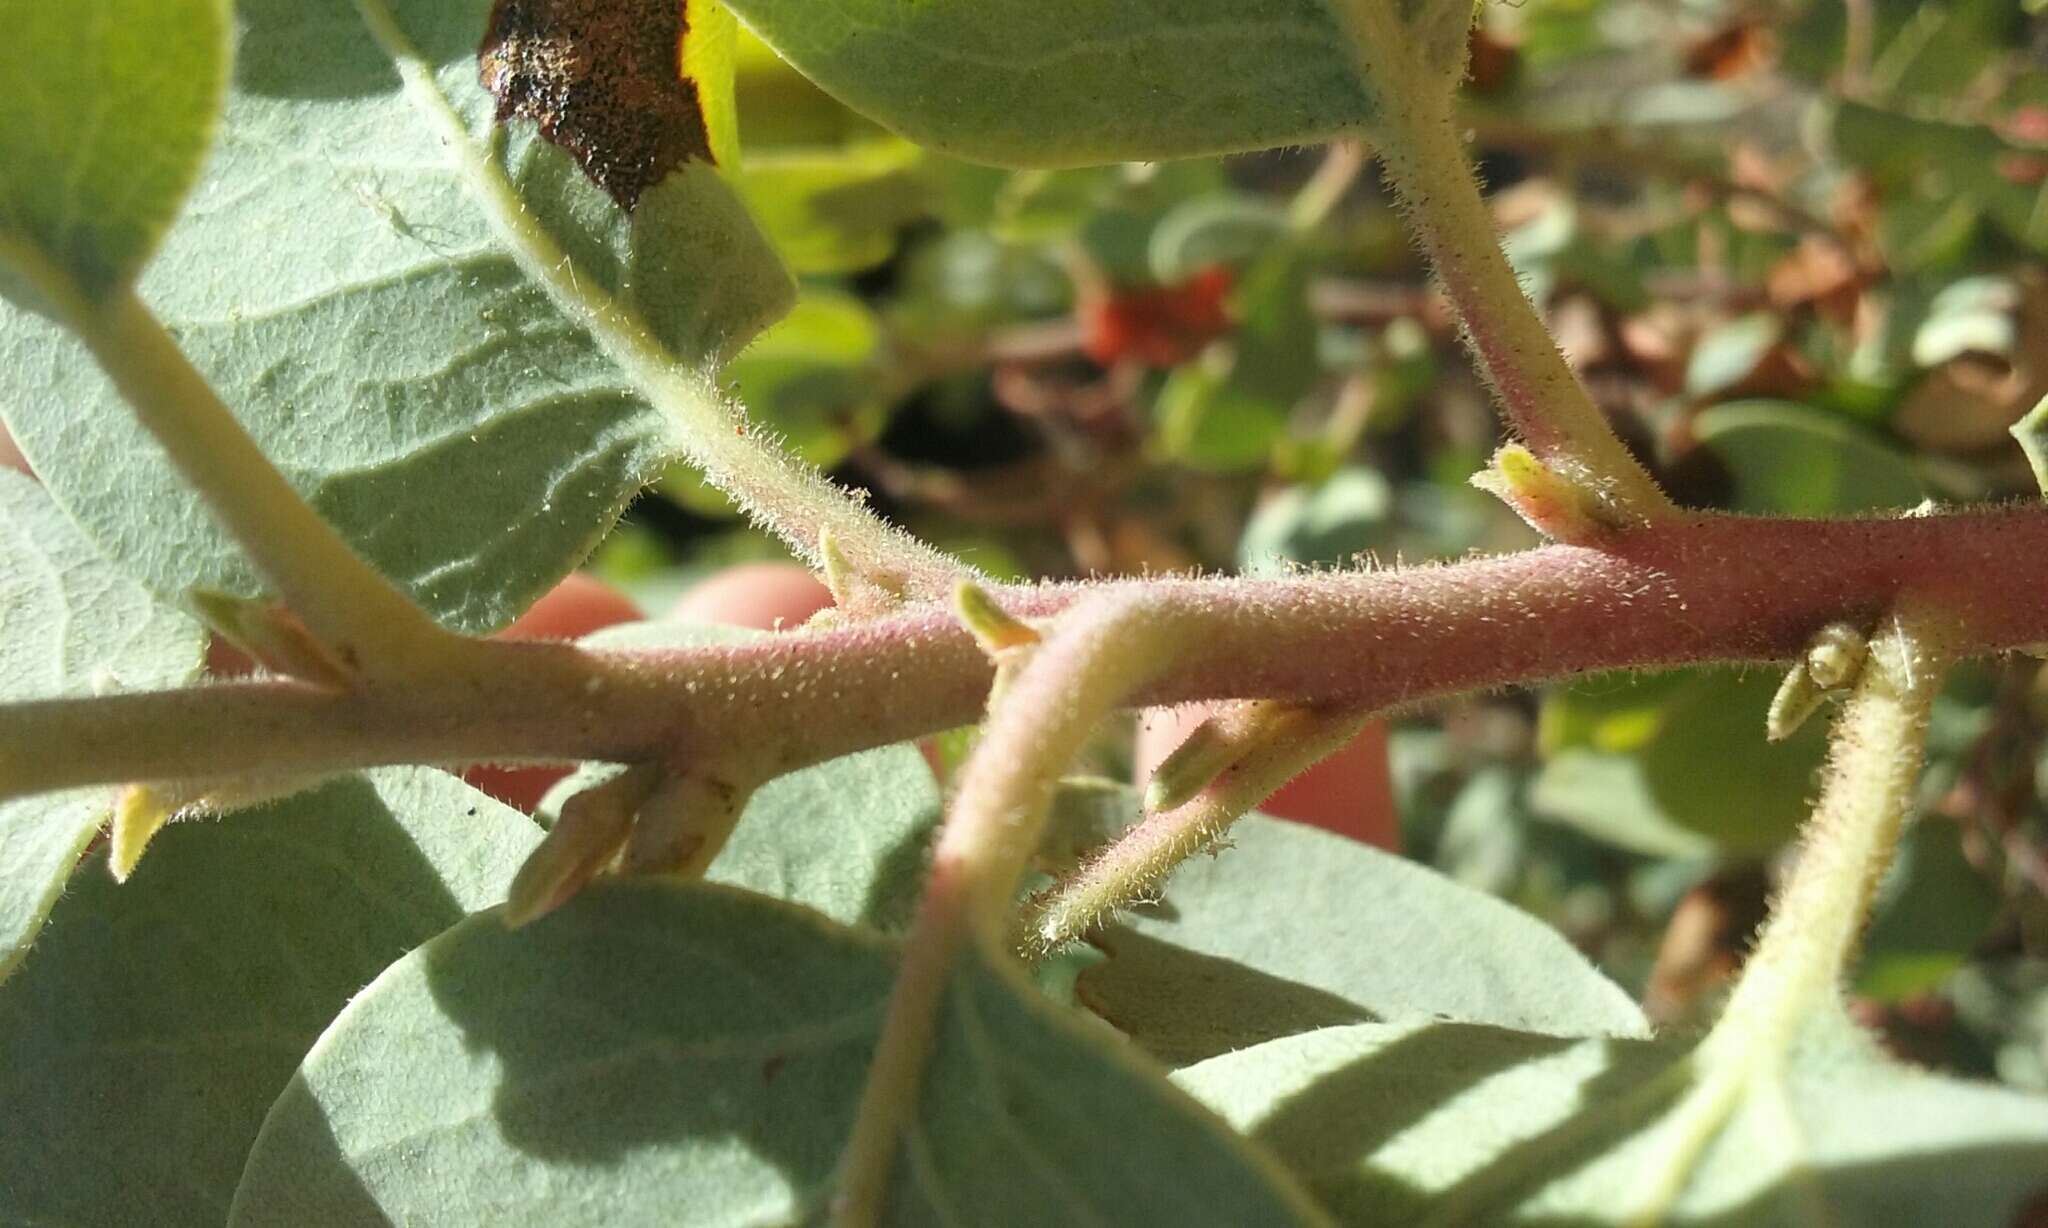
{"points": [[107, 108]]}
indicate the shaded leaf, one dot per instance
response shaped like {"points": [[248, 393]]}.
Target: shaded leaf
{"points": [[1672, 753], [1789, 460], [159, 1019], [70, 624], [546, 1074]]}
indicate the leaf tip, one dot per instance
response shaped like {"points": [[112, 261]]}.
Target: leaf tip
{"points": [[1551, 503], [995, 629]]}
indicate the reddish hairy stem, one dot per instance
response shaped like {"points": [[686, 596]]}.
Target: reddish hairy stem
{"points": [[1708, 587], [1037, 722]]}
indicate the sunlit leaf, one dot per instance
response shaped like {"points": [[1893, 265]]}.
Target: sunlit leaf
{"points": [[70, 624]]}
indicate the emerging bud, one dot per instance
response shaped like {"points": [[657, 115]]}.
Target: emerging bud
{"points": [[684, 824], [593, 827], [2032, 434], [275, 638], [1189, 768], [1553, 504], [1830, 664], [140, 811], [854, 592], [994, 629], [1835, 655], [1798, 697]]}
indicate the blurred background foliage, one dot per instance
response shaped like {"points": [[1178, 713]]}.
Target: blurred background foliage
{"points": [[1798, 249]]}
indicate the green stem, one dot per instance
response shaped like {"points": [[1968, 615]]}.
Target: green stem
{"points": [[1794, 978], [347, 604], [1423, 155], [784, 495], [1873, 767]]}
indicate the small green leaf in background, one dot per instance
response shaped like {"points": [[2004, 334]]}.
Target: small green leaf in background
{"points": [[661, 1050], [70, 624], [381, 343], [1938, 160], [1223, 228], [1729, 353], [1641, 760], [107, 108], [813, 377], [1971, 316], [1789, 460], [1931, 911], [1330, 523], [1476, 1127], [1229, 410], [1352, 934], [156, 1022], [1609, 798], [833, 211], [1069, 83]]}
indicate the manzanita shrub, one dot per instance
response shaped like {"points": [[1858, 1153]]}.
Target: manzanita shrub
{"points": [[344, 329]]}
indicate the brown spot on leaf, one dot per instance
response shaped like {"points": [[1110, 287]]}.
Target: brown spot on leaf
{"points": [[604, 80]]}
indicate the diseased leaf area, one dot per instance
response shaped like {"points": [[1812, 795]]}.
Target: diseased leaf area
{"points": [[604, 80]]}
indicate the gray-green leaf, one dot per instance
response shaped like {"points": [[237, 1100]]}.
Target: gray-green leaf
{"points": [[1448, 1124], [106, 111], [658, 1053], [158, 1019], [339, 283], [70, 624], [1291, 928]]}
